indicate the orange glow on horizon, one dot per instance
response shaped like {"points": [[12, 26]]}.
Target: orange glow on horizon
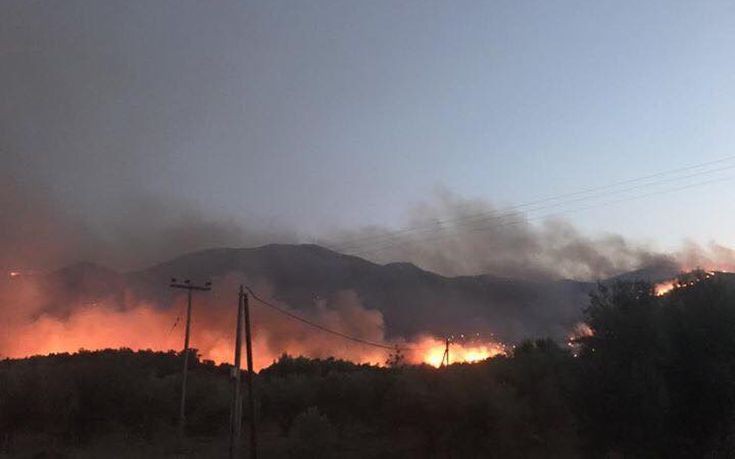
{"points": [[142, 326], [458, 352]]}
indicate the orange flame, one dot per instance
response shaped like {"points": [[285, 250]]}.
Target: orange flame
{"points": [[662, 288], [432, 351], [140, 325], [581, 330]]}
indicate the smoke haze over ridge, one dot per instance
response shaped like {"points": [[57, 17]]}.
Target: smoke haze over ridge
{"points": [[446, 233], [133, 133], [452, 240], [302, 118]]}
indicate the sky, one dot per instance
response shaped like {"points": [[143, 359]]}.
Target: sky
{"points": [[314, 115]]}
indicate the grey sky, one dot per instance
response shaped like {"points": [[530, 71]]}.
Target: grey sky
{"points": [[311, 114]]}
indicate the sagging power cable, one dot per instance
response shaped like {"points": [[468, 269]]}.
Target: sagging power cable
{"points": [[323, 328]]}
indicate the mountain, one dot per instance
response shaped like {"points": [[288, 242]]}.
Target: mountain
{"points": [[412, 300], [657, 272]]}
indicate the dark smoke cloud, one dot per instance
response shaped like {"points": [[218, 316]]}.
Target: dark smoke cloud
{"points": [[106, 116], [104, 111], [42, 233], [151, 230], [35, 232], [447, 236], [134, 321]]}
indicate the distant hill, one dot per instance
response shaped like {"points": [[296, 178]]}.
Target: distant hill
{"points": [[656, 273], [411, 299]]}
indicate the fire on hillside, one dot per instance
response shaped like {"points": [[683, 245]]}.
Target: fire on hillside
{"points": [[140, 325], [685, 280]]}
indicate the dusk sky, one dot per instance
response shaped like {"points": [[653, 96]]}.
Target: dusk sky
{"points": [[315, 115]]}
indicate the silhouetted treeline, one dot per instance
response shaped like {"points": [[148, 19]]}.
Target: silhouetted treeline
{"points": [[656, 379]]}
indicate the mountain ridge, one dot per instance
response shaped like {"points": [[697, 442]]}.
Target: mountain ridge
{"points": [[412, 300]]}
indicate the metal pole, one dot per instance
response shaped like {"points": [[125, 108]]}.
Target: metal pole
{"points": [[189, 287], [251, 398], [236, 422], [182, 406], [445, 357]]}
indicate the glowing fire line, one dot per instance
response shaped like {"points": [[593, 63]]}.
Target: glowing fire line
{"points": [[662, 288]]}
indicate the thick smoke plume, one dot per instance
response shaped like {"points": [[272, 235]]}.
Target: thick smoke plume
{"points": [[32, 328], [456, 236], [40, 233]]}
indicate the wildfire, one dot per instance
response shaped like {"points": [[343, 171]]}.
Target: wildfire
{"points": [[580, 330], [662, 288], [459, 352], [137, 325]]}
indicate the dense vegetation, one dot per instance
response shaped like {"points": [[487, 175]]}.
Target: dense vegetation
{"points": [[656, 379]]}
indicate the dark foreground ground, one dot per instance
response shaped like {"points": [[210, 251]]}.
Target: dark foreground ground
{"points": [[657, 379]]}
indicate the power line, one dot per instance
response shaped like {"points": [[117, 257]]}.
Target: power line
{"points": [[558, 197], [398, 243], [581, 195], [323, 328], [503, 216], [176, 322], [494, 215], [395, 240]]}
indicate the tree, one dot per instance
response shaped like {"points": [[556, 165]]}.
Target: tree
{"points": [[622, 392]]}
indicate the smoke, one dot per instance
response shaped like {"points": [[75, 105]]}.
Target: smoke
{"points": [[41, 232], [712, 257], [131, 321], [137, 323], [34, 231], [30, 329], [457, 236], [150, 231], [497, 243]]}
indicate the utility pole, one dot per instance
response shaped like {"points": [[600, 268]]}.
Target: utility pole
{"points": [[189, 287], [236, 421], [249, 356], [445, 357]]}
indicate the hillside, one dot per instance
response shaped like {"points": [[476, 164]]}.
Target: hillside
{"points": [[412, 300], [655, 378]]}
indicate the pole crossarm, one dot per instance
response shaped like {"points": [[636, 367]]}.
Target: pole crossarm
{"points": [[186, 285]]}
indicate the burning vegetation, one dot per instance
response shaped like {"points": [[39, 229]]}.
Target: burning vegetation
{"points": [[387, 379], [615, 394], [684, 280], [139, 324], [107, 323]]}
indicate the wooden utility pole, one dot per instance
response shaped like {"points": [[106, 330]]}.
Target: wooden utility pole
{"points": [[249, 356], [236, 421], [188, 286]]}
